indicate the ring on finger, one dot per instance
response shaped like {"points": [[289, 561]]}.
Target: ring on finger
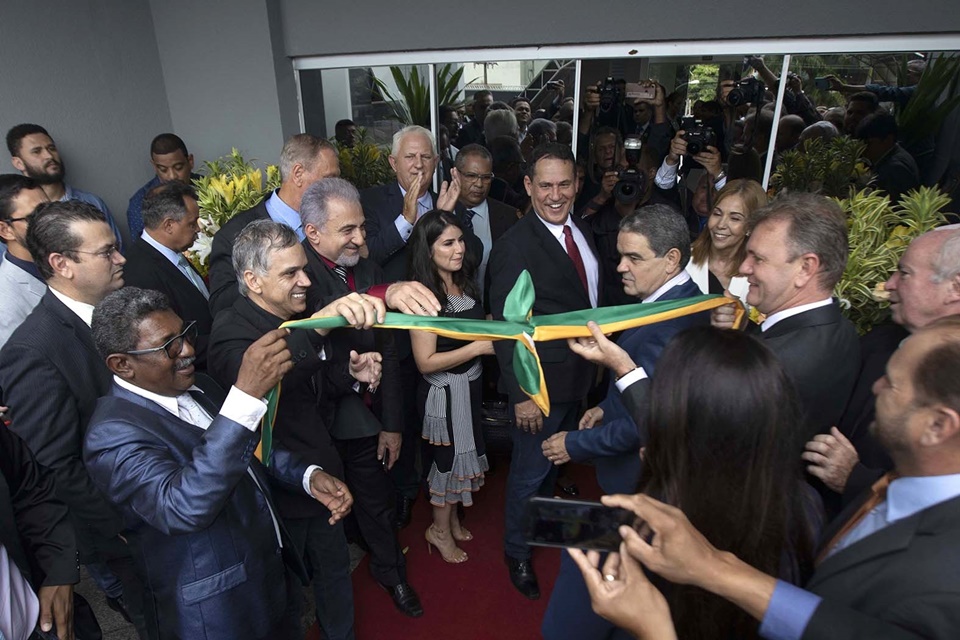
{"points": [[609, 577]]}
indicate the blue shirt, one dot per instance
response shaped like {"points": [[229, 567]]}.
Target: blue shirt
{"points": [[791, 607], [283, 213], [83, 196]]}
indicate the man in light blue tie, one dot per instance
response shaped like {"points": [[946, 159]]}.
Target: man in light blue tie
{"points": [[156, 259]]}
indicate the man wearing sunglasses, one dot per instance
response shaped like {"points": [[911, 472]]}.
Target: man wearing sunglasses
{"points": [[51, 375], [21, 286]]}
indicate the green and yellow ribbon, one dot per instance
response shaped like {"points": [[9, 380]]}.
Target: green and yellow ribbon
{"points": [[519, 324]]}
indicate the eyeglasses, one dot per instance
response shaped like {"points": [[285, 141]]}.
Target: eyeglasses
{"points": [[174, 345], [26, 219], [477, 177], [106, 254]]}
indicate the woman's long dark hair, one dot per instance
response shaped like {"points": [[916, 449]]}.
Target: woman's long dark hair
{"points": [[725, 441], [420, 265]]}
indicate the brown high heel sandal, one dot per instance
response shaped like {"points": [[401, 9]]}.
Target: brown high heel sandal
{"points": [[463, 535], [432, 534]]}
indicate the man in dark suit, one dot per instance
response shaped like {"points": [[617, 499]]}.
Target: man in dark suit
{"points": [[270, 265], [654, 248], [924, 288], [51, 375], [559, 254], [366, 427], [156, 260], [179, 461], [796, 253], [37, 546], [303, 160], [887, 565]]}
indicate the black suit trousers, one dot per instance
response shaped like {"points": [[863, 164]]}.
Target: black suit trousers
{"points": [[406, 477], [373, 506]]}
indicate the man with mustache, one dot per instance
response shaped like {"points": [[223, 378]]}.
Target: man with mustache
{"points": [[51, 375], [34, 154]]}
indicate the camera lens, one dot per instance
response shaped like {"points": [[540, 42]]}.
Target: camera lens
{"points": [[735, 98]]}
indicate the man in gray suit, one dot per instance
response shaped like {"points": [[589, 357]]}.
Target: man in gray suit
{"points": [[21, 286], [886, 567]]}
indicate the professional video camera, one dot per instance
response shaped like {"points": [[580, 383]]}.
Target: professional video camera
{"points": [[631, 182], [747, 91], [697, 136], [610, 97]]}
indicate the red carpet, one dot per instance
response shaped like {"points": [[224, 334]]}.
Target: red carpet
{"points": [[470, 601]]}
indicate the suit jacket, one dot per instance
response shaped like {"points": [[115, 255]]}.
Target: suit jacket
{"points": [[20, 292], [34, 528], [223, 280], [820, 351], [352, 419], [301, 421], [502, 217], [381, 206], [201, 533], [529, 245], [51, 376], [616, 443], [898, 583], [147, 268]]}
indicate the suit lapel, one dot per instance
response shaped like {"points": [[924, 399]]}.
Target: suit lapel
{"points": [[73, 322], [828, 314], [558, 256], [165, 266]]}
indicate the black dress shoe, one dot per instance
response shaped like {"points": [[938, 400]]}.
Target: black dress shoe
{"points": [[568, 487], [523, 577], [405, 599], [118, 605], [403, 513]]}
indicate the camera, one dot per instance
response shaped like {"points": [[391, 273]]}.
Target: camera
{"points": [[747, 91], [609, 94], [697, 136], [631, 182]]}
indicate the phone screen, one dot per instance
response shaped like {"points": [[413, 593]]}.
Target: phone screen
{"points": [[554, 522], [821, 83]]}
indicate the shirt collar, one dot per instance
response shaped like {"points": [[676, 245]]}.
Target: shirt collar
{"points": [[25, 265], [792, 311], [167, 402], [681, 278], [67, 193], [557, 229], [82, 309], [907, 496], [164, 250], [283, 213], [482, 210]]}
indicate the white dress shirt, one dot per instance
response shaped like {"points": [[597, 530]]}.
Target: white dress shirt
{"points": [[590, 264], [19, 606], [179, 261], [793, 311], [481, 228], [82, 309]]}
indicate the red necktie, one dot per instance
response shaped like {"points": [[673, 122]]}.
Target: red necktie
{"points": [[878, 495], [574, 252]]}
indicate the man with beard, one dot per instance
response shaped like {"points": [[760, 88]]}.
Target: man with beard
{"points": [[34, 154], [21, 285]]}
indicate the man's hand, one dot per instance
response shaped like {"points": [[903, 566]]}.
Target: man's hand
{"points": [[366, 367], [56, 607], [794, 83], [725, 317], [360, 310], [264, 363], [528, 416], [555, 448], [410, 208], [412, 297], [835, 83], [622, 594], [601, 350], [607, 183], [832, 457], [447, 198], [388, 444], [710, 159], [591, 98], [591, 418], [678, 149], [331, 493]]}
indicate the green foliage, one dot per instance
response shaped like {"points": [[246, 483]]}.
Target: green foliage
{"points": [[830, 168], [703, 82], [922, 116], [879, 234], [412, 106], [365, 164]]}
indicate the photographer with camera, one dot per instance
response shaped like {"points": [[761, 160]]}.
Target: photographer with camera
{"points": [[795, 101], [697, 144], [632, 109]]}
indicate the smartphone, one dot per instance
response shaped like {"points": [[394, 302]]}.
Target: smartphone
{"points": [[636, 92], [822, 84], [554, 522]]}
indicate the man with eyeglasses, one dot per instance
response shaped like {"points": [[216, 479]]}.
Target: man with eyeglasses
{"points": [[51, 375], [489, 218], [21, 285], [176, 455]]}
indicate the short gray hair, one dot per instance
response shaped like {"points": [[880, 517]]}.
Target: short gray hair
{"points": [[302, 149], [817, 225], [663, 227], [314, 208], [117, 318], [946, 266], [410, 130], [252, 248], [501, 122]]}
